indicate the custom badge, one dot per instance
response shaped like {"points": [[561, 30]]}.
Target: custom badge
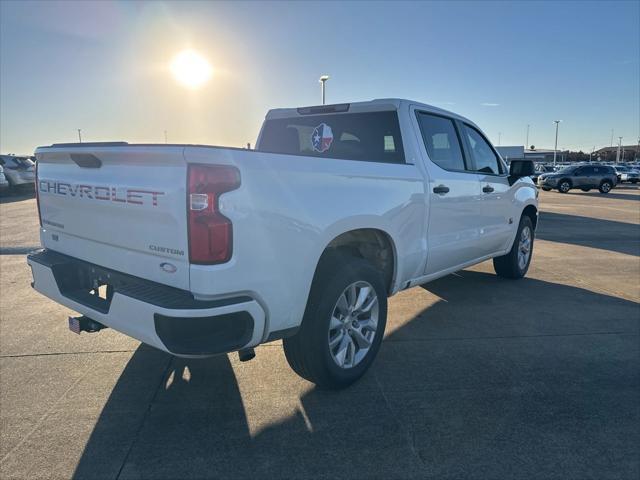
{"points": [[321, 138]]}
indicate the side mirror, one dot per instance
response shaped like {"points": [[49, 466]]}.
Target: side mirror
{"points": [[519, 169]]}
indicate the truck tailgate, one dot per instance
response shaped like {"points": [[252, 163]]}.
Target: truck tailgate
{"points": [[122, 207]]}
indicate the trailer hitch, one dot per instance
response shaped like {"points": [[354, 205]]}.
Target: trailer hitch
{"points": [[84, 324]]}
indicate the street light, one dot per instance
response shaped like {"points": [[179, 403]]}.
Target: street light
{"points": [[323, 79], [526, 144], [555, 148], [79, 135], [619, 147]]}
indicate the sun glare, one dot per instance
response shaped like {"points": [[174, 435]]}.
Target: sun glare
{"points": [[191, 69]]}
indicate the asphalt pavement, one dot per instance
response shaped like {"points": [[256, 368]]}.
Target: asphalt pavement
{"points": [[478, 377]]}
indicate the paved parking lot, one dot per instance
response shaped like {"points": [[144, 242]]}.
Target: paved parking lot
{"points": [[478, 377]]}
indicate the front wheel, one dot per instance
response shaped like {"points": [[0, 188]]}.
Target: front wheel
{"points": [[585, 189], [605, 187], [564, 186], [343, 324], [516, 263]]}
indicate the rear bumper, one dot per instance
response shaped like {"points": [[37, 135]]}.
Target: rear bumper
{"points": [[165, 317]]}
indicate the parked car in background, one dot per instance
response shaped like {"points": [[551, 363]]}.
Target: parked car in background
{"points": [[626, 174], [539, 170], [584, 177], [19, 171], [4, 184]]}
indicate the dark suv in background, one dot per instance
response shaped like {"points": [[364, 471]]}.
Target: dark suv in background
{"points": [[584, 177]]}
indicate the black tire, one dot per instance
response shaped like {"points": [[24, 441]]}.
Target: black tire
{"points": [[605, 187], [585, 189], [546, 189], [308, 351], [634, 181], [507, 265], [564, 185]]}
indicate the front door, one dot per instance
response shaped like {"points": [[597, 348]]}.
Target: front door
{"points": [[497, 210], [454, 196]]}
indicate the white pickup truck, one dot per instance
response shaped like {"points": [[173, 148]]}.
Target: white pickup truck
{"points": [[200, 250]]}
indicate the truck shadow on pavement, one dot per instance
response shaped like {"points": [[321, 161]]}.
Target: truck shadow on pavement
{"points": [[492, 379], [591, 232]]}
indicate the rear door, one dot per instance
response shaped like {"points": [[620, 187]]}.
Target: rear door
{"points": [[582, 177], [454, 195], [121, 207], [596, 175]]}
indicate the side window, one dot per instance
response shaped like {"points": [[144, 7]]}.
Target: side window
{"points": [[486, 160], [441, 141]]}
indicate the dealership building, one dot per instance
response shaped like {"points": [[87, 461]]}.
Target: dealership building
{"points": [[518, 152]]}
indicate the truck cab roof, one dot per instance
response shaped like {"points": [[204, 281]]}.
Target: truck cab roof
{"points": [[376, 105]]}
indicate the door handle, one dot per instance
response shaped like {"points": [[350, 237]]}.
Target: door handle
{"points": [[441, 189], [487, 189]]}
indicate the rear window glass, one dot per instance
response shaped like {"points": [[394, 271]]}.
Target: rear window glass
{"points": [[373, 137]]}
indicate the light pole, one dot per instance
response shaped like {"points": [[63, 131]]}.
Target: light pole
{"points": [[592, 150], [323, 79], [79, 136], [618, 152], [611, 138], [526, 144], [555, 148]]}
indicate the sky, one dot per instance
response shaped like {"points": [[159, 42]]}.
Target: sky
{"points": [[103, 67]]}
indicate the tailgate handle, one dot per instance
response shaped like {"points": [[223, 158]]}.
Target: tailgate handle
{"points": [[86, 160]]}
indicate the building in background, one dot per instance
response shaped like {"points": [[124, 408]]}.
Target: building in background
{"points": [[628, 153], [509, 153], [518, 152]]}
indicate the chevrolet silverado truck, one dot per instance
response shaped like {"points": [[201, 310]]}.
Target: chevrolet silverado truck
{"points": [[204, 250]]}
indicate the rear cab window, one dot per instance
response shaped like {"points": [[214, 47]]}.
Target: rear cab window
{"points": [[368, 136]]}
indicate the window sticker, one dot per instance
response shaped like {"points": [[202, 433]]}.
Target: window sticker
{"points": [[321, 138]]}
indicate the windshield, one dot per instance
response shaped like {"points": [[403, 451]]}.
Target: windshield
{"points": [[16, 162]]}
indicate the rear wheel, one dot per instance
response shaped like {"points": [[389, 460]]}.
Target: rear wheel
{"points": [[516, 263], [585, 189], [343, 324], [546, 189], [605, 187], [564, 186]]}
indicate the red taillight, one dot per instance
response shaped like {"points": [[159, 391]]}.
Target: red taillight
{"points": [[37, 188], [210, 232]]}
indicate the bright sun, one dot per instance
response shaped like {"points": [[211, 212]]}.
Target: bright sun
{"points": [[191, 69]]}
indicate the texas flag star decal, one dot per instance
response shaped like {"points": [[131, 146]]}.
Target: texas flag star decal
{"points": [[321, 138]]}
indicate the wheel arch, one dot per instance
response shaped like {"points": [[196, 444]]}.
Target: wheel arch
{"points": [[531, 211], [373, 244]]}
